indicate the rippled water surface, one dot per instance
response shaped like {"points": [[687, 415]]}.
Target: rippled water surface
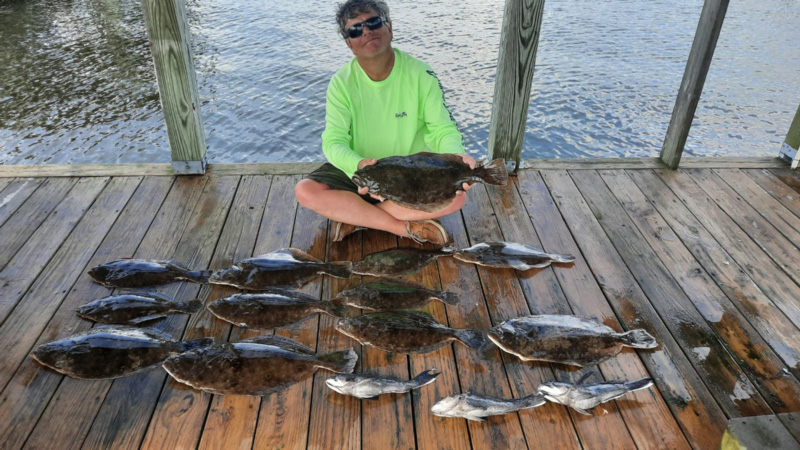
{"points": [[78, 84]]}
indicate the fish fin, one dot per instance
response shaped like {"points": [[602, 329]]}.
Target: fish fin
{"points": [[532, 400], [585, 377], [197, 276], [639, 384], [476, 418], [450, 298], [561, 258], [299, 254], [582, 411], [493, 172], [339, 269], [374, 397], [192, 306], [172, 263], [639, 339], [341, 362], [150, 318], [196, 343], [154, 295], [471, 338], [426, 377], [280, 341]]}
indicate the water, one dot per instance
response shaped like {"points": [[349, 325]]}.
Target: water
{"points": [[78, 84]]}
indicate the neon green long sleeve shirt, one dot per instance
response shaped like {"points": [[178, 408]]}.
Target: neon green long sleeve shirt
{"points": [[401, 115]]}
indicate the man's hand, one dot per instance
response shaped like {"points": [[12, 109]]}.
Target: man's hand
{"points": [[470, 161], [366, 162], [365, 190]]}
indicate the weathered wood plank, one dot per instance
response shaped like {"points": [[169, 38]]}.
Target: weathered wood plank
{"points": [[767, 372], [787, 196], [26, 220], [792, 423], [684, 392], [788, 176], [127, 408], [13, 193]]}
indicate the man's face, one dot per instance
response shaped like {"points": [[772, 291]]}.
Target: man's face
{"points": [[372, 42]]}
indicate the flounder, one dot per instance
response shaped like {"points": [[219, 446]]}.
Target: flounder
{"points": [[287, 267], [405, 332], [371, 386], [476, 407], [389, 294], [111, 352], [257, 366], [426, 181], [129, 273], [135, 309], [509, 255], [398, 262], [275, 308], [582, 397], [564, 339]]}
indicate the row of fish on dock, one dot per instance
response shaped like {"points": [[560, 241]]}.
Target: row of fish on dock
{"points": [[266, 364]]}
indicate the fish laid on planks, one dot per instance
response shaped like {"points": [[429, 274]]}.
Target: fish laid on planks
{"points": [[398, 262], [389, 294], [274, 308], [136, 308], [477, 407], [371, 386], [582, 397], [131, 273], [510, 255]]}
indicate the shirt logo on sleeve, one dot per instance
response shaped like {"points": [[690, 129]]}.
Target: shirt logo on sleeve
{"points": [[399, 115]]}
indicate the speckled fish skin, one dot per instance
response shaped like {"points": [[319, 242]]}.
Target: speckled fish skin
{"points": [[371, 386], [284, 268], [426, 181], [583, 397], [135, 309], [271, 309], [257, 366], [405, 332], [130, 273], [111, 352], [564, 339], [510, 255], [389, 294], [398, 262], [477, 407]]}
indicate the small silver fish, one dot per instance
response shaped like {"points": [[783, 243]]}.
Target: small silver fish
{"points": [[475, 407], [371, 386], [582, 397], [509, 255], [135, 309]]}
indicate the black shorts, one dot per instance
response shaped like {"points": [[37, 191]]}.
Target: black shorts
{"points": [[334, 178]]}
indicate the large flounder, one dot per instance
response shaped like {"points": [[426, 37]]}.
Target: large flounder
{"points": [[130, 273], [564, 339], [510, 255], [582, 397], [389, 294], [257, 366], [111, 352], [285, 268], [274, 308], [135, 309], [426, 181], [405, 332], [398, 262]]}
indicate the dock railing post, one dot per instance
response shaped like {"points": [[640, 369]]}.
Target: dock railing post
{"points": [[168, 31], [705, 41], [522, 23], [791, 145]]}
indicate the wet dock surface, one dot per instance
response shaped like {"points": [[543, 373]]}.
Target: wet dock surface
{"points": [[706, 260]]}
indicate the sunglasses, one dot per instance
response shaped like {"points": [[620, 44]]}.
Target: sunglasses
{"points": [[357, 29]]}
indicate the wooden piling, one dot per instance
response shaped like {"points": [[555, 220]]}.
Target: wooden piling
{"points": [[705, 41], [791, 144]]}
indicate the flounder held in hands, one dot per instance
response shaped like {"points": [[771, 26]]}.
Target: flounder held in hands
{"points": [[507, 255], [426, 181], [388, 294], [134, 309], [398, 262], [128, 273], [405, 332], [582, 397], [564, 339], [477, 407], [371, 386], [275, 308], [287, 267], [111, 352], [257, 366]]}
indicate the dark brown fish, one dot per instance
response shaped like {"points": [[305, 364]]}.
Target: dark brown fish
{"points": [[257, 366], [287, 268], [397, 262], [405, 332], [426, 181], [135, 309], [509, 255], [389, 294], [111, 352], [275, 308], [564, 339], [144, 272]]}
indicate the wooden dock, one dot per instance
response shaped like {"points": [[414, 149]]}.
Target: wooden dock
{"points": [[705, 259]]}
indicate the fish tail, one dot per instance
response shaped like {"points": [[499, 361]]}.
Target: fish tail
{"points": [[531, 401], [493, 172], [192, 306], [196, 343], [198, 276], [564, 259], [639, 384], [340, 362], [471, 338], [426, 377], [340, 269], [639, 339], [450, 298]]}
